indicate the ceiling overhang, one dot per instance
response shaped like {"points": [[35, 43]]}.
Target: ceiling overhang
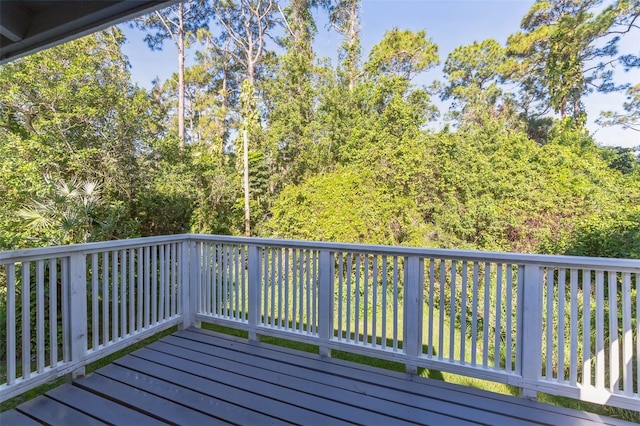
{"points": [[29, 26]]}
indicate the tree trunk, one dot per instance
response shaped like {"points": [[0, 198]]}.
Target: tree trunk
{"points": [[354, 39], [576, 108], [245, 141], [181, 75], [245, 158]]}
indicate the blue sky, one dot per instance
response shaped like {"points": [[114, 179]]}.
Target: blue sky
{"points": [[449, 23]]}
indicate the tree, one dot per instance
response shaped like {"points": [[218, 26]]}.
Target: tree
{"points": [[344, 16], [624, 160], [630, 119], [209, 91], [219, 77], [244, 27], [383, 109], [72, 112], [339, 107], [179, 23], [289, 98], [403, 53], [565, 51], [474, 76]]}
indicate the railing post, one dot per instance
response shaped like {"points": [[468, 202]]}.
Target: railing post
{"points": [[253, 281], [412, 338], [325, 302], [189, 283], [531, 332], [77, 296], [194, 282]]}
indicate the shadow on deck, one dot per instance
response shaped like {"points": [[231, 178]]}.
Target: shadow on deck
{"points": [[197, 377]]}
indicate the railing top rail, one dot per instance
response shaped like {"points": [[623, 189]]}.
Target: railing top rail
{"points": [[12, 256], [596, 263], [603, 263]]}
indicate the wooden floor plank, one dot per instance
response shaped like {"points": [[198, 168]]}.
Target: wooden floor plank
{"points": [[196, 400], [54, 413], [358, 394], [288, 410], [519, 408], [285, 388], [150, 404], [196, 377], [16, 418], [99, 407], [378, 389]]}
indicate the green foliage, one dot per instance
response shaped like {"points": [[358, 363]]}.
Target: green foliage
{"points": [[621, 159], [630, 119], [334, 153], [474, 74], [72, 113], [487, 188], [290, 98], [504, 179], [615, 235], [403, 53], [67, 213], [345, 205], [557, 42]]}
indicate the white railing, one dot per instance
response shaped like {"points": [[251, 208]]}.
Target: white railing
{"points": [[69, 306], [556, 324]]}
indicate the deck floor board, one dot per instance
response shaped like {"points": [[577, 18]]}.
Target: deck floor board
{"points": [[195, 377], [52, 412], [376, 399], [312, 370], [98, 407], [149, 396]]}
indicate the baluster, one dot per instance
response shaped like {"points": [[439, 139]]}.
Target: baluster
{"points": [[11, 323], [53, 312], [441, 306], [573, 331], [395, 303], [498, 326], [463, 314], [432, 282], [452, 311], [474, 313], [561, 319], [509, 315], [586, 328], [614, 350], [253, 280], [384, 302], [627, 343], [40, 315], [26, 320], [600, 364]]}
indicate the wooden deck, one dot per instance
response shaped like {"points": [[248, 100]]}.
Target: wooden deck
{"points": [[196, 377]]}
